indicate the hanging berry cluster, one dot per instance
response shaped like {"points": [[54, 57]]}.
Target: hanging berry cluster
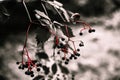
{"points": [[62, 34]]}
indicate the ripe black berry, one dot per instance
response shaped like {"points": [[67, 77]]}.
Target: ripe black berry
{"points": [[78, 54], [32, 75], [39, 65], [66, 62], [70, 57], [75, 57], [80, 33], [38, 69], [78, 50], [63, 58], [93, 30], [62, 39], [17, 63], [27, 72], [19, 67], [58, 52], [81, 44], [67, 59], [90, 30]]}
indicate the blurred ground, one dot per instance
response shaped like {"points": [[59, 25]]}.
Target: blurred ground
{"points": [[99, 58]]}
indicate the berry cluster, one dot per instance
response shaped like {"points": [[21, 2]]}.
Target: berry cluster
{"points": [[86, 26], [29, 67], [65, 48]]}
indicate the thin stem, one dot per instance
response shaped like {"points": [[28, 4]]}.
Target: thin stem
{"points": [[44, 9], [59, 14], [27, 11]]}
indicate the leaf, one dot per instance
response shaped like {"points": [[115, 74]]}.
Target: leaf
{"points": [[43, 18], [42, 55], [39, 77], [42, 35], [54, 68], [63, 28], [64, 69]]}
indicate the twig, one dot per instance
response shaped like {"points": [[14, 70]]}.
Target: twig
{"points": [[44, 9], [27, 10]]}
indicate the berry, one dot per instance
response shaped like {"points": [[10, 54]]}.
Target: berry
{"points": [[27, 72], [26, 65], [75, 57], [78, 54], [80, 33], [32, 75], [81, 44], [66, 62], [63, 58], [67, 59], [17, 63], [93, 30], [19, 67], [70, 57], [62, 39], [39, 65], [78, 50], [90, 30], [38, 69], [58, 52]]}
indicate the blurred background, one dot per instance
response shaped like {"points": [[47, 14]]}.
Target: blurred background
{"points": [[99, 57]]}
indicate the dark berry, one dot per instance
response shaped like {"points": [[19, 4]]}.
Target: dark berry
{"points": [[80, 33], [67, 59], [75, 57], [93, 30], [39, 65], [78, 50], [19, 67], [17, 63], [58, 52], [78, 54], [26, 65], [70, 57], [63, 58], [38, 69], [27, 72], [32, 75], [90, 30], [62, 39], [81, 44], [61, 45], [31, 72], [66, 62]]}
